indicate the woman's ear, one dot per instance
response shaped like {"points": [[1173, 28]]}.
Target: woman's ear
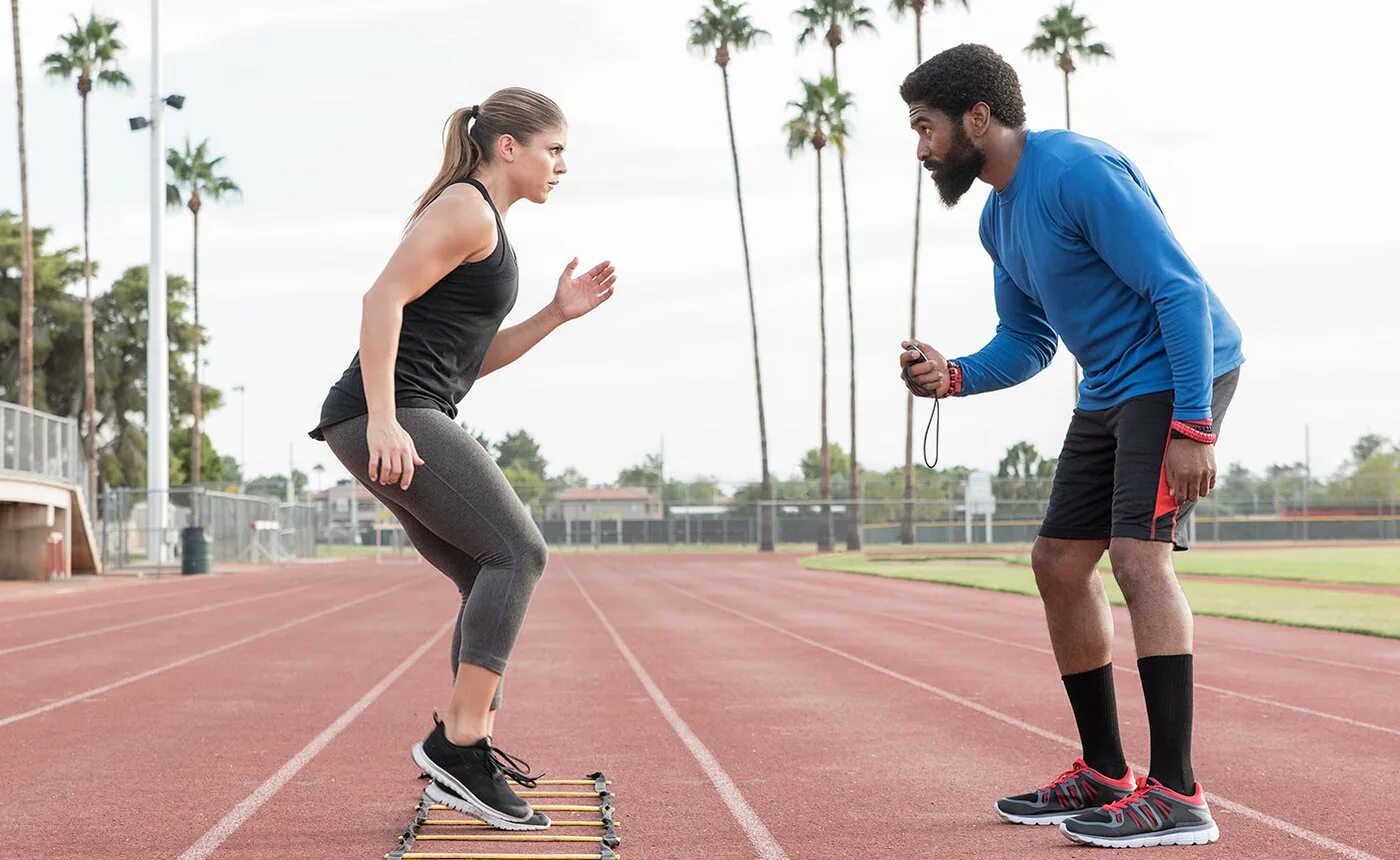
{"points": [[507, 148]]}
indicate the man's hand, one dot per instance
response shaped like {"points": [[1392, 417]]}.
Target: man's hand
{"points": [[1190, 469], [925, 378]]}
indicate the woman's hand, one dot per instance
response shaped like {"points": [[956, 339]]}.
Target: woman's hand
{"points": [[577, 296], [392, 456]]}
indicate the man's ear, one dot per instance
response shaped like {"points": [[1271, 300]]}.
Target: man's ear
{"points": [[978, 120]]}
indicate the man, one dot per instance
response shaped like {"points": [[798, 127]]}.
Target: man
{"points": [[1081, 249]]}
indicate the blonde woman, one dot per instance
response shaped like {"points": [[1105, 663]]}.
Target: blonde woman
{"points": [[430, 328]]}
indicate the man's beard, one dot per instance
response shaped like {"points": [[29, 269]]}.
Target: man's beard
{"points": [[955, 174]]}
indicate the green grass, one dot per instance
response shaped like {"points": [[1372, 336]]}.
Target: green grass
{"points": [[1349, 611], [1364, 565], [1356, 565]]}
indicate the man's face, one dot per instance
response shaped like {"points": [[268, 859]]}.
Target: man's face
{"points": [[952, 158]]}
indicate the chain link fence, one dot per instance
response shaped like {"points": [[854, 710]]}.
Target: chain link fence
{"points": [[239, 528]]}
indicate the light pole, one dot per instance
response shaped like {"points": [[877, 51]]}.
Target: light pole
{"points": [[242, 437], [157, 338]]}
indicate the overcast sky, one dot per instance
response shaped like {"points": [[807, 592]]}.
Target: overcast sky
{"points": [[1263, 129]]}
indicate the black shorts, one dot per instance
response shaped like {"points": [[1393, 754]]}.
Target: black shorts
{"points": [[1111, 479]]}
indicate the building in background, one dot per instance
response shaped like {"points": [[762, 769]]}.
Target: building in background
{"points": [[605, 503], [347, 513]]}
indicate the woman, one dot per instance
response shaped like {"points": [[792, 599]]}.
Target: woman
{"points": [[429, 329]]}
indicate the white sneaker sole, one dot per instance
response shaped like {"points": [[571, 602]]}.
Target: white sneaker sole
{"points": [[1189, 837], [448, 791], [1053, 818]]}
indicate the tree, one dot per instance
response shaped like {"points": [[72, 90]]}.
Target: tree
{"points": [[811, 464], [119, 320], [54, 315], [644, 474], [26, 301], [1063, 36], [817, 121], [520, 449], [1366, 446], [837, 16], [898, 8], [275, 486], [723, 25], [194, 179], [90, 52]]}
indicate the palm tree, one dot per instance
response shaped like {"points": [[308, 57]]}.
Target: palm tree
{"points": [[90, 51], [898, 8], [723, 25], [195, 179], [26, 290], [1062, 37], [818, 121], [831, 18]]}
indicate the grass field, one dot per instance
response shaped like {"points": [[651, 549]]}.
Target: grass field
{"points": [[1351, 611]]}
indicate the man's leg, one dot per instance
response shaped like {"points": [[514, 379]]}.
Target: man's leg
{"points": [[1162, 630], [1081, 633]]}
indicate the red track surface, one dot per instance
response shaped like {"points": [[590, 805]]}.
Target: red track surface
{"points": [[786, 713]]}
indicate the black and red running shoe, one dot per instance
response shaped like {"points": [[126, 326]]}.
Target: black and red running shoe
{"points": [[1079, 789], [1151, 815]]}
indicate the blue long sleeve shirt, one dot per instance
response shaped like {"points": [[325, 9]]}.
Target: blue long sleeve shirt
{"points": [[1080, 249]]}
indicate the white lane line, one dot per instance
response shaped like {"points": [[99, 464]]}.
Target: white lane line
{"points": [[1225, 803], [141, 676], [164, 594], [167, 617], [216, 835], [1131, 670], [763, 841]]}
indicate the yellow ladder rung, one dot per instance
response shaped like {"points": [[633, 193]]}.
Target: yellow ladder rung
{"points": [[505, 837], [465, 823], [569, 782], [433, 855], [549, 808], [558, 794]]}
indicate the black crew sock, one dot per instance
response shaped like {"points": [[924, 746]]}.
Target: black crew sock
{"points": [[1166, 685], [1096, 713]]}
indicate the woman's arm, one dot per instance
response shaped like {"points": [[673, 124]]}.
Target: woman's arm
{"points": [[572, 299], [455, 227]]}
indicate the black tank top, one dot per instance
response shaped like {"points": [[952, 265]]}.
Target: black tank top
{"points": [[444, 337]]}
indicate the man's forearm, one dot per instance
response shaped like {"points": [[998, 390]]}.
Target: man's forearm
{"points": [[511, 343]]}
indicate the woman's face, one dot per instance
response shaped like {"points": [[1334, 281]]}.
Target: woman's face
{"points": [[539, 164]]}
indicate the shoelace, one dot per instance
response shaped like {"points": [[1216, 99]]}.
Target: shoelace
{"points": [[517, 770], [1065, 777], [1139, 793]]}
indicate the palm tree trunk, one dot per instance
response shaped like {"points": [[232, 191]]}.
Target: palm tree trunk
{"points": [[906, 530], [766, 513], [853, 527], [826, 529], [196, 443], [1073, 363], [89, 350], [26, 300]]}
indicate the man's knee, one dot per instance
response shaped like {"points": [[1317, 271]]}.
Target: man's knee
{"points": [[1140, 565], [1064, 566]]}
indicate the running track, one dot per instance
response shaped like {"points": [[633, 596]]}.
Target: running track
{"points": [[744, 707]]}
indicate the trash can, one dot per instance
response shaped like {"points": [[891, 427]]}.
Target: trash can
{"points": [[196, 553]]}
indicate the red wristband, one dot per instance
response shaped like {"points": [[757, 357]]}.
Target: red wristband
{"points": [[1197, 431], [955, 379]]}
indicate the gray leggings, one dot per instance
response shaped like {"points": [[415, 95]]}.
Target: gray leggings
{"points": [[465, 519]]}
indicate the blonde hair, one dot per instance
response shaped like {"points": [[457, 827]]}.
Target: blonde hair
{"points": [[470, 135]]}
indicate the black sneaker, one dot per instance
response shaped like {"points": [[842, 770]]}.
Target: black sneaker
{"points": [[1079, 789], [474, 780], [1152, 815]]}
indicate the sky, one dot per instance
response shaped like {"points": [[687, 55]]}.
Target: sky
{"points": [[1262, 128]]}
